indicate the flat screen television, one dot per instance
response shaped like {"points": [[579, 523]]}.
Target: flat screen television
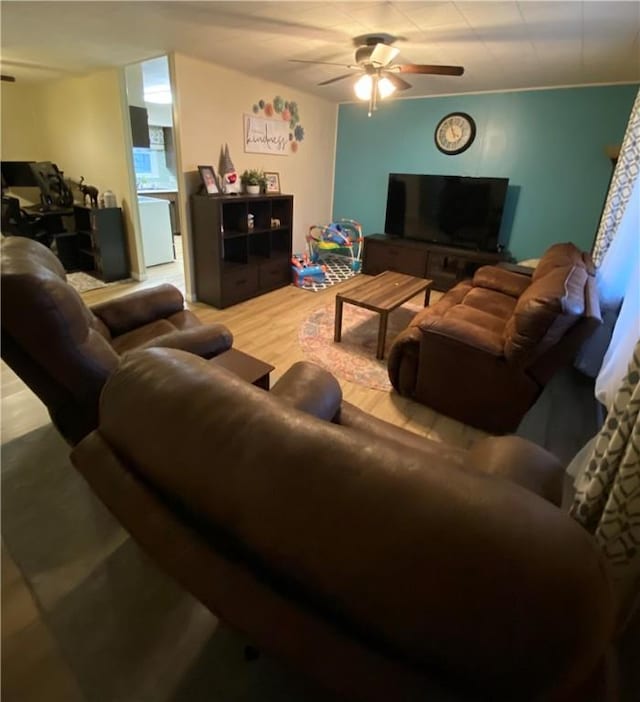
{"points": [[457, 211]]}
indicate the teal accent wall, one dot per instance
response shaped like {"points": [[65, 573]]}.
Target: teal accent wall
{"points": [[549, 143]]}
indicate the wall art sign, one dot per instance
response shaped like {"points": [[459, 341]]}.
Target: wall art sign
{"points": [[286, 111], [265, 136]]}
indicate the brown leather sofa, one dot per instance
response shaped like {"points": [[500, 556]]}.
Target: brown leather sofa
{"points": [[65, 351], [483, 353], [384, 565]]}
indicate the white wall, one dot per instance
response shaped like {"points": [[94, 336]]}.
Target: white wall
{"points": [[21, 135], [209, 109]]}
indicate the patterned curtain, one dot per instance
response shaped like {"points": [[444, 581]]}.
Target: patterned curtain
{"points": [[624, 176], [607, 500]]}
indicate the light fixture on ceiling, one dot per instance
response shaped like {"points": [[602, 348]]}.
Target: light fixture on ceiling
{"points": [[374, 59], [160, 95], [371, 86], [363, 87], [385, 87]]}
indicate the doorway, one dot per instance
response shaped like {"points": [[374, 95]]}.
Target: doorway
{"points": [[150, 102]]}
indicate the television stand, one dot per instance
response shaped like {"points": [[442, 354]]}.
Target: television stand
{"points": [[445, 265]]}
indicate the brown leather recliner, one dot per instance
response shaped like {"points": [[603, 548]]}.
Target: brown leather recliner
{"points": [[385, 565], [65, 351], [483, 353]]}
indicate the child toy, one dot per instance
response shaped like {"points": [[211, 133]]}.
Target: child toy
{"points": [[303, 269], [341, 234]]}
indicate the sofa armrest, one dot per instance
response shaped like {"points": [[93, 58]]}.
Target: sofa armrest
{"points": [[206, 341], [311, 389], [463, 373], [139, 308], [464, 332], [519, 461], [501, 280]]}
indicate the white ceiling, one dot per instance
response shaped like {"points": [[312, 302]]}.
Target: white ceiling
{"points": [[502, 45]]}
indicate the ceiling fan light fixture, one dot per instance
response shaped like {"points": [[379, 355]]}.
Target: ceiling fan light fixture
{"points": [[363, 87], [385, 88]]}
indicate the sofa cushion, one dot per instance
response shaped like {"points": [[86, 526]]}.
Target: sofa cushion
{"points": [[185, 319], [446, 302], [206, 340], [501, 280], [141, 335], [486, 321], [468, 326], [545, 311], [491, 302]]}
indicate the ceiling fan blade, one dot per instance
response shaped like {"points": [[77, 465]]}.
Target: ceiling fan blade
{"points": [[335, 80], [383, 54], [9, 79], [428, 70], [325, 63], [398, 83]]}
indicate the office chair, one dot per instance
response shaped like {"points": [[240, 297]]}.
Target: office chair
{"points": [[18, 222]]}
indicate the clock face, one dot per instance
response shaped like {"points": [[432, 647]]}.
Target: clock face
{"points": [[455, 133]]}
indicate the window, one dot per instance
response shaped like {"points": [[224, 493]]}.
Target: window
{"points": [[142, 163]]}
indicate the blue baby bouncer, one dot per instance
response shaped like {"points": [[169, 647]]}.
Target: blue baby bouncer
{"points": [[341, 235]]}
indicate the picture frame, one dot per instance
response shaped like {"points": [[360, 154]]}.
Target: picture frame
{"points": [[209, 180], [273, 182]]}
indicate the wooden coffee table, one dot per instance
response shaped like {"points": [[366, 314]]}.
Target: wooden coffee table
{"points": [[247, 367], [382, 294]]}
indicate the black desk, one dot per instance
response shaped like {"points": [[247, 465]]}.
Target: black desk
{"points": [[51, 218], [40, 211], [65, 242]]}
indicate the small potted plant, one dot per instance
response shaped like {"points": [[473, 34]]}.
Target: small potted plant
{"points": [[254, 181]]}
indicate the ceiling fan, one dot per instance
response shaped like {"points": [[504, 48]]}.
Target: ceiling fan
{"points": [[373, 58]]}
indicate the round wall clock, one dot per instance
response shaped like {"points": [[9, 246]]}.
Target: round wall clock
{"points": [[455, 133]]}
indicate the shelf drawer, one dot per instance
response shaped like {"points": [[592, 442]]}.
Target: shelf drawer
{"points": [[446, 270], [375, 259], [239, 284], [274, 274], [387, 257]]}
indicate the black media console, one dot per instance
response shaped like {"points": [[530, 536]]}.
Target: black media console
{"points": [[445, 265]]}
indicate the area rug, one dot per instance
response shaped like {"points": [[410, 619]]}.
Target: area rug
{"points": [[338, 269], [354, 358], [83, 282]]}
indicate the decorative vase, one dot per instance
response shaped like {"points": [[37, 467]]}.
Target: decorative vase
{"points": [[253, 189]]}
